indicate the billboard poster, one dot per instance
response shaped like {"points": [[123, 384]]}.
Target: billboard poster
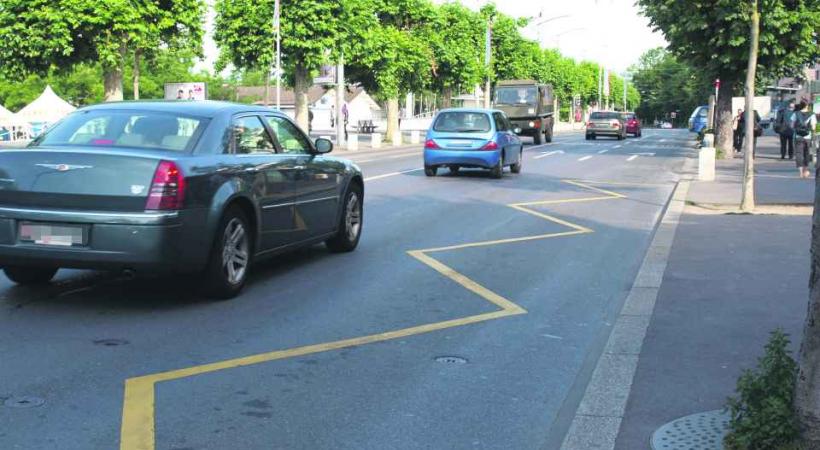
{"points": [[186, 91]]}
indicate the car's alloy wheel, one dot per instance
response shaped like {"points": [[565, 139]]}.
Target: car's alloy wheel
{"points": [[430, 171], [231, 256], [235, 255], [350, 227], [30, 275]]}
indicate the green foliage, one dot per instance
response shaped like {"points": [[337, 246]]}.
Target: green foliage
{"points": [[713, 35], [665, 85], [761, 414], [456, 38]]}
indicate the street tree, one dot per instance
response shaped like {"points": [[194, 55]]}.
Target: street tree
{"points": [[666, 84], [245, 36], [713, 35], [37, 36]]}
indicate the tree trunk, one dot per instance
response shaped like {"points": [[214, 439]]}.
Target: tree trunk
{"points": [[807, 392], [300, 90], [137, 55], [747, 204], [447, 97], [112, 78], [724, 136], [392, 118]]}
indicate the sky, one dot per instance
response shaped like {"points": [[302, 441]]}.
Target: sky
{"points": [[611, 32]]}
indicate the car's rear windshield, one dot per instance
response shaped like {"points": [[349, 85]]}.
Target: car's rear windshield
{"points": [[128, 129], [629, 116], [604, 116], [462, 122]]}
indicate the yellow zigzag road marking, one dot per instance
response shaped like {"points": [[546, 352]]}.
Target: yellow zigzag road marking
{"points": [[138, 422]]}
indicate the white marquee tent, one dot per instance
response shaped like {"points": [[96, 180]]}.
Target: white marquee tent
{"points": [[45, 109]]}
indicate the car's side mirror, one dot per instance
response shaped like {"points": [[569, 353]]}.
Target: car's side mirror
{"points": [[324, 145]]}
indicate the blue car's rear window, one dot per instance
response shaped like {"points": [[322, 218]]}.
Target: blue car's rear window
{"points": [[125, 128], [462, 122]]}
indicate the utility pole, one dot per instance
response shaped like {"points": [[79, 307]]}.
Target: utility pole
{"points": [[600, 85], [488, 38], [625, 75], [277, 30], [340, 99]]}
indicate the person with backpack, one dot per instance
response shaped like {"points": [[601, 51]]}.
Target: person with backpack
{"points": [[803, 123], [783, 127]]}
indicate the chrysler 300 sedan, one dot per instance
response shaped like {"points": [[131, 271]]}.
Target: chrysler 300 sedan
{"points": [[196, 187]]}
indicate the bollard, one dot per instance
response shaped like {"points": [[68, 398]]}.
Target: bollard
{"points": [[352, 142], [376, 140], [415, 137], [706, 164], [396, 138]]}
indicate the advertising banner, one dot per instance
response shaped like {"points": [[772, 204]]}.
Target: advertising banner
{"points": [[186, 91]]}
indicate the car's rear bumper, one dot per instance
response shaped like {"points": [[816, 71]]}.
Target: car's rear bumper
{"points": [[466, 158], [161, 241], [605, 131], [633, 130]]}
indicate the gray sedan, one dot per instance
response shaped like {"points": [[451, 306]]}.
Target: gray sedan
{"points": [[195, 187]]}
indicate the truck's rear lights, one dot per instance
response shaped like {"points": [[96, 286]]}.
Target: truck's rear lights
{"points": [[167, 189], [431, 144]]}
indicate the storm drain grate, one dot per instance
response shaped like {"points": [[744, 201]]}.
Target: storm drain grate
{"points": [[451, 359], [701, 431], [23, 402]]}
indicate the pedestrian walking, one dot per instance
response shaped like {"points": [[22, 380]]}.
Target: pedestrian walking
{"points": [[737, 136], [783, 127], [346, 117], [803, 123], [332, 118]]}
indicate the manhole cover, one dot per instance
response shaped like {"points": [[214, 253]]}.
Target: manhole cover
{"points": [[451, 359], [110, 342], [23, 402], [702, 431]]}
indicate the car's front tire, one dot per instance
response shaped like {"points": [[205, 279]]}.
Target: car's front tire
{"points": [[230, 259], [30, 275], [350, 224], [430, 171]]}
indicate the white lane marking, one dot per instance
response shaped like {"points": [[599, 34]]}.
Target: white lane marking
{"points": [[603, 151], [644, 154], [585, 158], [545, 154], [618, 146], [392, 174], [632, 158], [662, 140]]}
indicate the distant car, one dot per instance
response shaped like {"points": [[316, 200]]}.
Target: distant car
{"points": [[633, 125], [200, 187], [606, 123], [698, 119], [473, 138]]}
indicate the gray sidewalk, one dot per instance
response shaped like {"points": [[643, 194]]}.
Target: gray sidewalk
{"points": [[729, 281]]}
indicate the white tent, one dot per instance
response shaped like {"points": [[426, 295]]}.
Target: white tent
{"points": [[45, 109]]}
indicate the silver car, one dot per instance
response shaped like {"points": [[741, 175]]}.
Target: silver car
{"points": [[606, 123]]}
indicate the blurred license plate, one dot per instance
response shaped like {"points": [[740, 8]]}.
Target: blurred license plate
{"points": [[49, 234]]}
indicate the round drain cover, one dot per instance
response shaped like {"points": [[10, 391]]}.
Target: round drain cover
{"points": [[451, 359], [23, 402], [701, 431]]}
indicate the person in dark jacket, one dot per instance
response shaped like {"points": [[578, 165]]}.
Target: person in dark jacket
{"points": [[741, 131], [783, 127]]}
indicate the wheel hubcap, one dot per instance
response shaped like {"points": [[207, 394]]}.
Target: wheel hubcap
{"points": [[235, 251], [353, 217]]}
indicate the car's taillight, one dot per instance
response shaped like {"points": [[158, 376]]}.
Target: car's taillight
{"points": [[431, 144], [167, 188], [490, 146], [615, 124]]}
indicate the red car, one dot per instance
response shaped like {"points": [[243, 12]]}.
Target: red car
{"points": [[633, 125]]}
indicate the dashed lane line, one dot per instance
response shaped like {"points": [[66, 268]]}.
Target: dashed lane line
{"points": [[632, 158], [392, 174], [137, 431], [584, 158], [545, 154]]}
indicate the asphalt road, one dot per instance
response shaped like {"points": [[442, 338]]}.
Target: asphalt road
{"points": [[452, 347]]}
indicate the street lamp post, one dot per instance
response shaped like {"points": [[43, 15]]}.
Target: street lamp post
{"points": [[488, 37], [277, 31]]}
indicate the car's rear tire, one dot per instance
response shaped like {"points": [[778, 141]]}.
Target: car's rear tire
{"points": [[231, 256], [30, 275], [498, 170], [588, 137], [350, 224], [516, 168], [621, 137], [454, 169], [430, 171], [592, 136]]}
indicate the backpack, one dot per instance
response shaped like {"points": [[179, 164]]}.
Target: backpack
{"points": [[782, 124], [801, 125]]}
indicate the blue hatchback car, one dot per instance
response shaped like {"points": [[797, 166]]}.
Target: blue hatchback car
{"points": [[480, 138]]}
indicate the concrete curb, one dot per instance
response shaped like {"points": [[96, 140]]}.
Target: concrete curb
{"points": [[598, 418]]}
